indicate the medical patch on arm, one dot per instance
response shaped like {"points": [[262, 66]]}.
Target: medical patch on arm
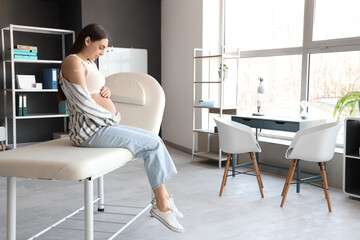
{"points": [[77, 70]]}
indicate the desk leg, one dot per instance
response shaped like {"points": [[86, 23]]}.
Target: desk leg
{"points": [[298, 176], [233, 164], [11, 208], [89, 211]]}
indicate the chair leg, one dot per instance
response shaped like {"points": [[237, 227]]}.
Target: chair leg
{"points": [[225, 174], [325, 184], [257, 173], [288, 180], [262, 185]]}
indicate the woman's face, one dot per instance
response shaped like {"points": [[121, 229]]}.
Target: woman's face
{"points": [[95, 49]]}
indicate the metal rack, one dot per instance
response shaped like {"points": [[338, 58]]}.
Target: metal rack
{"points": [[205, 82], [12, 90]]}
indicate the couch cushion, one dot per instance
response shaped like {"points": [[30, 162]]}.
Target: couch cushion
{"points": [[59, 159]]}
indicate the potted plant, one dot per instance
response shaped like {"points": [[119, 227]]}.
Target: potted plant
{"points": [[2, 130], [225, 69], [349, 102]]}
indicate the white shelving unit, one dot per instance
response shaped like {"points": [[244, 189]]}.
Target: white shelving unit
{"points": [[209, 84], [10, 114]]}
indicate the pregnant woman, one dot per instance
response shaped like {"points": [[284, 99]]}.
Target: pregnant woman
{"points": [[94, 121]]}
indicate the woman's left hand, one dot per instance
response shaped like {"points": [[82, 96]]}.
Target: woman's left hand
{"points": [[105, 92]]}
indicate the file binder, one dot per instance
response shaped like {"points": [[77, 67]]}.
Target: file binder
{"points": [[24, 105], [19, 105], [50, 78]]}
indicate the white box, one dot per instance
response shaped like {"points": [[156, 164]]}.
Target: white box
{"points": [[57, 135], [26, 81]]}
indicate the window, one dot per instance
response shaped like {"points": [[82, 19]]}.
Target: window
{"points": [[335, 19], [263, 24], [303, 49], [281, 81]]}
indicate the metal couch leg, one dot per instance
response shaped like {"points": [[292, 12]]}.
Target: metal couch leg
{"points": [[89, 209], [11, 208], [101, 201]]}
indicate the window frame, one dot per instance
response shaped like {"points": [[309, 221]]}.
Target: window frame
{"points": [[308, 47]]}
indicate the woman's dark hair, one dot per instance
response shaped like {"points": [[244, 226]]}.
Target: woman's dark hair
{"points": [[96, 33]]}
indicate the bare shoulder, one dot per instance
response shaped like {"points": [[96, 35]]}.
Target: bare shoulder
{"points": [[71, 62], [71, 65]]}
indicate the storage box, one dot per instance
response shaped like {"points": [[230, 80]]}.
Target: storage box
{"points": [[63, 107], [57, 135]]}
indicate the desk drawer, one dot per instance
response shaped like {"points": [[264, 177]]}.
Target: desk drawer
{"points": [[281, 126], [254, 123]]}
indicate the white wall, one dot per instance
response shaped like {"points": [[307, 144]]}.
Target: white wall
{"points": [[181, 32]]}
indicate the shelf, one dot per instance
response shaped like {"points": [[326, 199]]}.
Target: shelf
{"points": [[35, 61], [353, 155], [44, 115], [214, 89], [226, 56], [209, 82], [32, 90], [218, 82], [21, 28], [216, 110], [209, 131], [9, 33], [211, 156]]}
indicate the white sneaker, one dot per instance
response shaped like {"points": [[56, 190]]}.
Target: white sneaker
{"points": [[167, 218], [172, 206]]}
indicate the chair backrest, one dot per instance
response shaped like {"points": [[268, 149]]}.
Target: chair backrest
{"points": [[139, 98], [315, 144], [235, 137]]}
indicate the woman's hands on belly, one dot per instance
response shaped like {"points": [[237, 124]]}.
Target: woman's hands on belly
{"points": [[104, 102]]}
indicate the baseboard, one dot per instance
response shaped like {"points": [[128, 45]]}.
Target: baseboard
{"points": [[178, 147]]}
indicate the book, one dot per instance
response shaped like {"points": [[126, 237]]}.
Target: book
{"points": [[24, 104], [26, 47], [25, 51], [50, 78], [19, 106], [25, 57], [25, 54]]}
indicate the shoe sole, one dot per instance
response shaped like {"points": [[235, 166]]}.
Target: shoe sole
{"points": [[165, 223]]}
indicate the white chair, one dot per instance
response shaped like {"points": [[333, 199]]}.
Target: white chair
{"points": [[235, 138], [315, 144]]}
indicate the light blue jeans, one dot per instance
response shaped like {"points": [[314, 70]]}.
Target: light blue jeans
{"points": [[158, 164]]}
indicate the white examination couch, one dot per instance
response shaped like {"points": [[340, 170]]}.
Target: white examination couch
{"points": [[140, 100]]}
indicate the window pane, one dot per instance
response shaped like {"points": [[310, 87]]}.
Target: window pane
{"points": [[281, 81], [264, 24], [336, 19], [331, 76]]}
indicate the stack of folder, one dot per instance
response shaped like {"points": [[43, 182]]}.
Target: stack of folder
{"points": [[21, 105], [25, 52]]}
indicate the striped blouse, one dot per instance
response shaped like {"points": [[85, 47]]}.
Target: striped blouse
{"points": [[86, 116]]}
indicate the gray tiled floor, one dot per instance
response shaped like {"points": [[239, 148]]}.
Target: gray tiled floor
{"points": [[239, 214]]}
